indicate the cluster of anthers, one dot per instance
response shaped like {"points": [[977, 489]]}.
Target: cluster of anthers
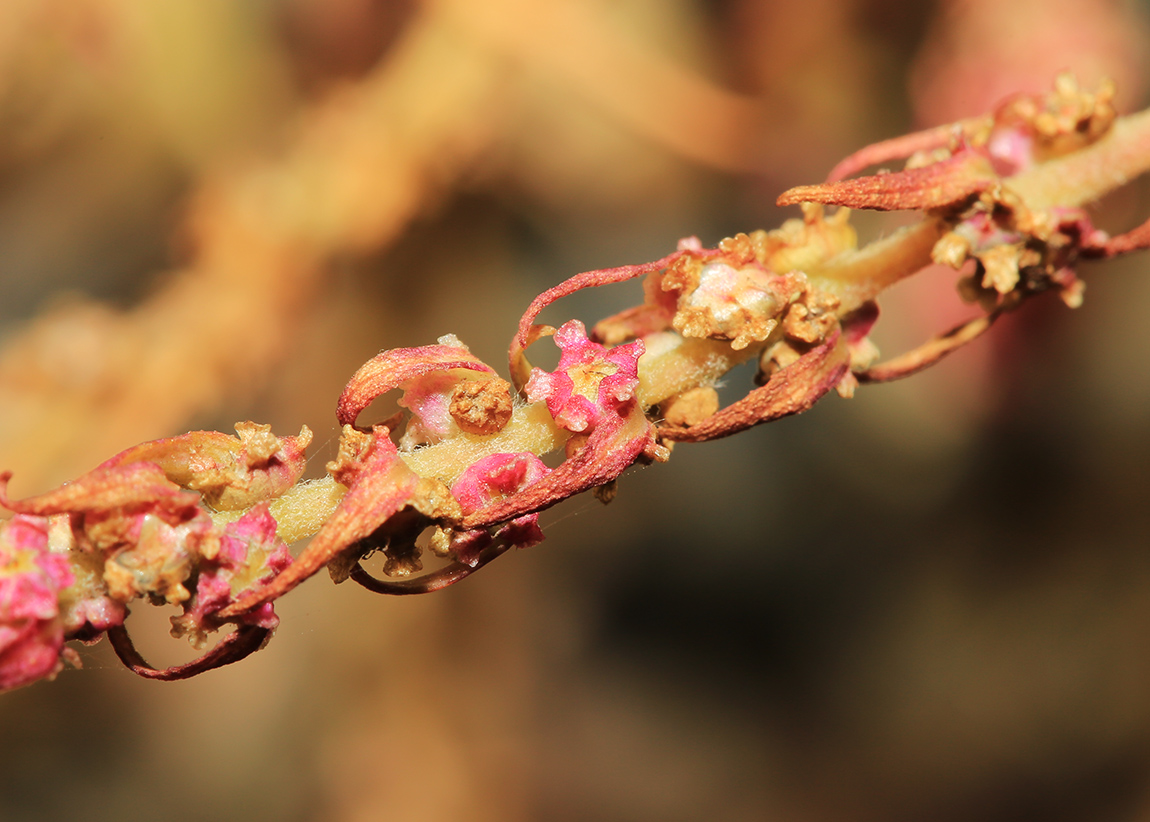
{"points": [[202, 521]]}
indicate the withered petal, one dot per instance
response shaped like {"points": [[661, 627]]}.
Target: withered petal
{"points": [[934, 186]]}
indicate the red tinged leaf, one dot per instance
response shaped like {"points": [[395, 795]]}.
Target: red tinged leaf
{"points": [[103, 489], [232, 473]]}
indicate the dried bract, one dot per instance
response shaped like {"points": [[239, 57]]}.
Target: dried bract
{"points": [[230, 473]]}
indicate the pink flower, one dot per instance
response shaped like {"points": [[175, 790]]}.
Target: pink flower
{"points": [[31, 578], [250, 556], [591, 393], [491, 480], [591, 383]]}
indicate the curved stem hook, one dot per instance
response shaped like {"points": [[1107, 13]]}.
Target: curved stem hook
{"points": [[426, 584], [929, 352], [243, 642]]}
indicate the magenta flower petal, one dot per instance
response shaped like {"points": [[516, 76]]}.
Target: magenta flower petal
{"points": [[250, 556], [31, 579], [489, 481], [590, 381], [496, 477]]}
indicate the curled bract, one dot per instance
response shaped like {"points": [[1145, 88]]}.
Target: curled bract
{"points": [[378, 485], [429, 378]]}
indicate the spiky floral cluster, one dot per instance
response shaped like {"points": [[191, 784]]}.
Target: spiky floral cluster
{"points": [[201, 521]]}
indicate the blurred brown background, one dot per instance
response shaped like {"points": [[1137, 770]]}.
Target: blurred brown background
{"points": [[929, 602]]}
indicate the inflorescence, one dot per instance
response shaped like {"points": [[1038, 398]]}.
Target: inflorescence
{"points": [[203, 521]]}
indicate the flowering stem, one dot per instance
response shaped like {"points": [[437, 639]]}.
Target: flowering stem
{"points": [[203, 520]]}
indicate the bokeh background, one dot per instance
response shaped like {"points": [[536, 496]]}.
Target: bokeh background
{"points": [[929, 602]]}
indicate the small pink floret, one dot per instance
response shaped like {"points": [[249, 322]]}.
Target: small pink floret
{"points": [[496, 476], [489, 480], [249, 547], [590, 381], [31, 578]]}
